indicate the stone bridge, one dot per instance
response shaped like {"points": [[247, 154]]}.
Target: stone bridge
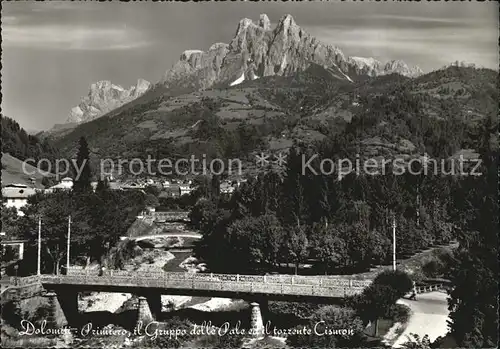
{"points": [[149, 286]]}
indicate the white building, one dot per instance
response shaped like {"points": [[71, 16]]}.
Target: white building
{"points": [[227, 188], [185, 189], [65, 184], [16, 195]]}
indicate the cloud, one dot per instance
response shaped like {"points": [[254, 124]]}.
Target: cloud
{"points": [[423, 19], [49, 6], [70, 37], [9, 20]]}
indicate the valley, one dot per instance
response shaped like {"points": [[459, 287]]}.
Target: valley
{"points": [[265, 190]]}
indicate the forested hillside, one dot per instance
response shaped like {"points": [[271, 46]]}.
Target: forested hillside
{"points": [[437, 113], [18, 143]]}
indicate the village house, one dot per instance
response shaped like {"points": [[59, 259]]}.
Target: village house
{"points": [[172, 191], [65, 184], [185, 189], [16, 195]]}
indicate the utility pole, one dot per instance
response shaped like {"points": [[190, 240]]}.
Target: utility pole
{"points": [[39, 258], [418, 205], [67, 251], [394, 242]]}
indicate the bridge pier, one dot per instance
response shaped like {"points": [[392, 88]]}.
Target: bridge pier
{"points": [[63, 308], [256, 321], [144, 314]]}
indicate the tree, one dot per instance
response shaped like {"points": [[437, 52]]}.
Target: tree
{"points": [[97, 222], [379, 299], [255, 241], [375, 302], [364, 247], [328, 246], [10, 222], [294, 206], [102, 186], [54, 209], [296, 245], [83, 181], [473, 300]]}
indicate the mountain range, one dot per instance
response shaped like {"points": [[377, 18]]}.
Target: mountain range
{"points": [[257, 50], [267, 89]]}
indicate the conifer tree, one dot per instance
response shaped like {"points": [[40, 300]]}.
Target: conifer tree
{"points": [[82, 182]]}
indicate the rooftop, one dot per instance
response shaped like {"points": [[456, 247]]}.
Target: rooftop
{"points": [[17, 192]]}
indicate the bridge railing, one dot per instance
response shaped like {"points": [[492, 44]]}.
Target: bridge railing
{"points": [[21, 291], [184, 281], [24, 281], [298, 280], [429, 288]]}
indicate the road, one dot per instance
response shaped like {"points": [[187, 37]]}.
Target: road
{"points": [[429, 315]]}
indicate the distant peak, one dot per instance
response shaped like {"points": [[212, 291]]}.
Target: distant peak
{"points": [[264, 22], [102, 83], [287, 19], [104, 96], [395, 63], [188, 53], [244, 24], [286, 22], [218, 45]]}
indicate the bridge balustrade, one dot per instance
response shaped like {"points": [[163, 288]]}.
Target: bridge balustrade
{"points": [[360, 283], [225, 277], [267, 279], [279, 279], [24, 281], [252, 278], [269, 284]]}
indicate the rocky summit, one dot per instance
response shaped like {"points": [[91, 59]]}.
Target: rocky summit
{"points": [[373, 67], [103, 97], [258, 50]]}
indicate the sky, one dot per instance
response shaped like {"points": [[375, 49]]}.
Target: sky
{"points": [[54, 51]]}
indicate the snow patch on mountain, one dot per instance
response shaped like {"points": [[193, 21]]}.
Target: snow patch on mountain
{"points": [[238, 81]]}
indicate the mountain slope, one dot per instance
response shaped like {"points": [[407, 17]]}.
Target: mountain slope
{"points": [[385, 115], [269, 88], [15, 172], [17, 142]]}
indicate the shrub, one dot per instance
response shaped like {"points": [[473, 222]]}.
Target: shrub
{"points": [[398, 280]]}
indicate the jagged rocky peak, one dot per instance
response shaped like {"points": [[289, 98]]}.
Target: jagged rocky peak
{"points": [[141, 87], [258, 50], [372, 67], [186, 55], [287, 22], [103, 97], [264, 22], [400, 67]]}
